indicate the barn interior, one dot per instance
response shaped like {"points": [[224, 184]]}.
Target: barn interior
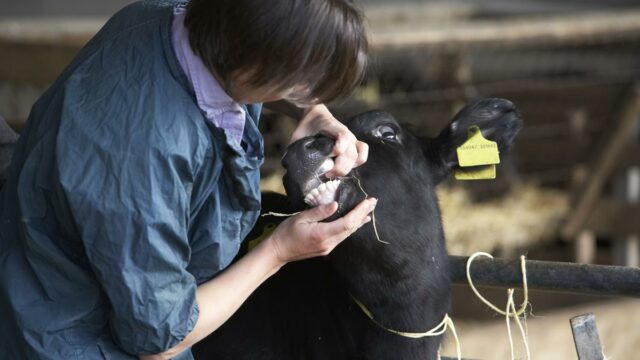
{"points": [[569, 190]]}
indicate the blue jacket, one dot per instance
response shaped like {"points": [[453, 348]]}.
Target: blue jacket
{"points": [[120, 199]]}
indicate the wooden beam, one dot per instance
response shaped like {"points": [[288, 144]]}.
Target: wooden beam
{"points": [[26, 44], [522, 31], [413, 28], [37, 50], [71, 31], [38, 63], [605, 163]]}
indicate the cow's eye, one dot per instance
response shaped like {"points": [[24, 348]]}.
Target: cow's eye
{"points": [[386, 132]]}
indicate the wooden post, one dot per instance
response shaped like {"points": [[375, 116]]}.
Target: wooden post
{"points": [[586, 338], [626, 249], [585, 244], [633, 197], [585, 247]]}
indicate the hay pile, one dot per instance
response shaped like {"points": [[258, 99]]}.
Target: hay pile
{"points": [[526, 216]]}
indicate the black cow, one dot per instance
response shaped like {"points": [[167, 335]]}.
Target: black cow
{"points": [[307, 310]]}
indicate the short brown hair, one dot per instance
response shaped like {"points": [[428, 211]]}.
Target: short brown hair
{"points": [[285, 43]]}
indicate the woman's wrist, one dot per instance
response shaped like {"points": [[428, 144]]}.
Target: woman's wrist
{"points": [[313, 108], [270, 250]]}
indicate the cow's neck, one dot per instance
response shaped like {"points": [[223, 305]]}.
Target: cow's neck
{"points": [[404, 293]]}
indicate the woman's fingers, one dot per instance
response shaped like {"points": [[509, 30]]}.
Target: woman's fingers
{"points": [[320, 212], [349, 153], [341, 228], [363, 153], [304, 236]]}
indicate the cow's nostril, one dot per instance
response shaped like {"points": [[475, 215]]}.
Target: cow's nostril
{"points": [[308, 143], [504, 105], [319, 144]]}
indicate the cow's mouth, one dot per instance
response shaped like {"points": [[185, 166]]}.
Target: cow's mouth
{"points": [[346, 191], [323, 194], [307, 162], [320, 190]]}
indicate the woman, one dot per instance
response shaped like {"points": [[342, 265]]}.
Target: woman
{"points": [[136, 176]]}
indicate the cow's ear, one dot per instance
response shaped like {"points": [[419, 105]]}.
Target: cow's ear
{"points": [[497, 119]]}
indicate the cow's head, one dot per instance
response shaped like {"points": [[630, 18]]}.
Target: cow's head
{"points": [[402, 169]]}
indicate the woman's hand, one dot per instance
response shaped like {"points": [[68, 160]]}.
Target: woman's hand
{"points": [[304, 236], [348, 151]]}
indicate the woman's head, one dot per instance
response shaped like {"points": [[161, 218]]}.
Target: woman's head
{"points": [[281, 46]]}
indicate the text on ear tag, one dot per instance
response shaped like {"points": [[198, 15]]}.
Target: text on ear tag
{"points": [[477, 150]]}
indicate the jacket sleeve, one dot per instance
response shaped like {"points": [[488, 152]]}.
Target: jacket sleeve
{"points": [[128, 190]]}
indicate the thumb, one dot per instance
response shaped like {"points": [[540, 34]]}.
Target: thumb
{"points": [[321, 212], [344, 138], [340, 146]]}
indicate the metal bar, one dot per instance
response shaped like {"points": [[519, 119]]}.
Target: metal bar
{"points": [[586, 338], [548, 275]]}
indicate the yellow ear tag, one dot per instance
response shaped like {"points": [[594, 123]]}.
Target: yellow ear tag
{"points": [[477, 150], [266, 231], [485, 172], [478, 155]]}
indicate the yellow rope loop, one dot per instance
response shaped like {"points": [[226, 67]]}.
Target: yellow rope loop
{"points": [[511, 308], [510, 311], [441, 328], [525, 289], [455, 336], [510, 305], [373, 214]]}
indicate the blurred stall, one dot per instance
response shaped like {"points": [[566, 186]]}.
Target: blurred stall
{"points": [[570, 189], [571, 67]]}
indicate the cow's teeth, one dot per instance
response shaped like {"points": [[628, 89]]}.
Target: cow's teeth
{"points": [[308, 199], [323, 194]]}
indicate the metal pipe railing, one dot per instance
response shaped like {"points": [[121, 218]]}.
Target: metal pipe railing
{"points": [[549, 275]]}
